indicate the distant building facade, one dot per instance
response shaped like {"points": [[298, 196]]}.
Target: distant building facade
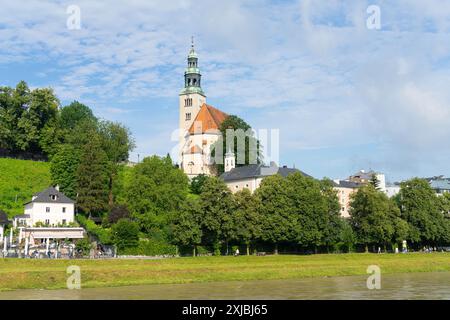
{"points": [[344, 190], [364, 177], [439, 184], [250, 176]]}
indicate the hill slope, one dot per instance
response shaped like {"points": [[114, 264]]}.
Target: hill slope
{"points": [[19, 180]]}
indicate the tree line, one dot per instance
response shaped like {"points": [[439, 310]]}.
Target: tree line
{"points": [[302, 212]]}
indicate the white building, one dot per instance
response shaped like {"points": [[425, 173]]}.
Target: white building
{"points": [[250, 176], [392, 189], [50, 208]]}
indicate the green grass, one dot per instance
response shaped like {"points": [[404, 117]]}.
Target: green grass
{"points": [[19, 180], [51, 274]]}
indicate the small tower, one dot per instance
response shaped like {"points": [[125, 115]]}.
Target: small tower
{"points": [[229, 161]]}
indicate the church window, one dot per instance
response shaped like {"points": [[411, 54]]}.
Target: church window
{"points": [[188, 116], [194, 82]]}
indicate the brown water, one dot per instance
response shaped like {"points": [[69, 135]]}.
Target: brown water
{"points": [[401, 286]]}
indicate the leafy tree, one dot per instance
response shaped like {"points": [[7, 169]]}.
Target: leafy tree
{"points": [[186, 225], [347, 236], [117, 143], [333, 223], [420, 208], [246, 218], [250, 143], [125, 234], [275, 205], [42, 108], [75, 113], [216, 204], [92, 179], [64, 168], [118, 212], [197, 183], [375, 218], [156, 190]]}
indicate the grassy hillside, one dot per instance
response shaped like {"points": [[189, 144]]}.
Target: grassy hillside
{"points": [[19, 180]]}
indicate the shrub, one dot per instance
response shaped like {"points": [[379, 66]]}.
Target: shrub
{"points": [[125, 234], [103, 235]]}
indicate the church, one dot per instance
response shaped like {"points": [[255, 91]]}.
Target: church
{"points": [[199, 123], [199, 126]]}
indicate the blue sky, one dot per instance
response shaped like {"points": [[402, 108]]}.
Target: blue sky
{"points": [[343, 96]]}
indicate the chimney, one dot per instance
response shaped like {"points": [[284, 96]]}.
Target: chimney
{"points": [[57, 187]]}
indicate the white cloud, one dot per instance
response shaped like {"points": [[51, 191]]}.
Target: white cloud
{"points": [[309, 67]]}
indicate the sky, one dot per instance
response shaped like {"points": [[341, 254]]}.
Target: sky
{"points": [[344, 93]]}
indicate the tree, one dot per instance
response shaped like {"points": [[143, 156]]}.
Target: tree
{"points": [[64, 168], [117, 143], [42, 109], [216, 204], [246, 218], [375, 218], [125, 234], [420, 207], [186, 225], [92, 179], [118, 212], [156, 190], [332, 228], [279, 222], [74, 113], [251, 155], [347, 236], [197, 183]]}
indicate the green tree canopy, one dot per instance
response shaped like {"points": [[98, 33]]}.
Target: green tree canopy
{"points": [[252, 145], [375, 218], [92, 179], [420, 208], [246, 218], [186, 225], [216, 204], [64, 168]]}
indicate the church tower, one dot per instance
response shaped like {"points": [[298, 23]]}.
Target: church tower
{"points": [[191, 97]]}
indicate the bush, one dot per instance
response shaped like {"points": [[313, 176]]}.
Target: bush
{"points": [[103, 235], [84, 246], [125, 234]]}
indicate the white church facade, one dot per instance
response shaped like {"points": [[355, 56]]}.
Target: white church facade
{"points": [[199, 123]]}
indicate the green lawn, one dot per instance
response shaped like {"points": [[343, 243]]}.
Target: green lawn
{"points": [[51, 274]]}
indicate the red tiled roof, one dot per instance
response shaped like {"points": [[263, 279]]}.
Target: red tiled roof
{"points": [[208, 118]]}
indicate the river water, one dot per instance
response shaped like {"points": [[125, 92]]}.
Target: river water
{"points": [[434, 285]]}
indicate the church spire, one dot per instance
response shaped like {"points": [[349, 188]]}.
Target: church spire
{"points": [[192, 76]]}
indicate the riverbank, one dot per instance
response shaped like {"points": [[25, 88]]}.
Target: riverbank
{"points": [[51, 274]]}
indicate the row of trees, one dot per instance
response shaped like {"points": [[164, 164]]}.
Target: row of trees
{"points": [[303, 212], [297, 210]]}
